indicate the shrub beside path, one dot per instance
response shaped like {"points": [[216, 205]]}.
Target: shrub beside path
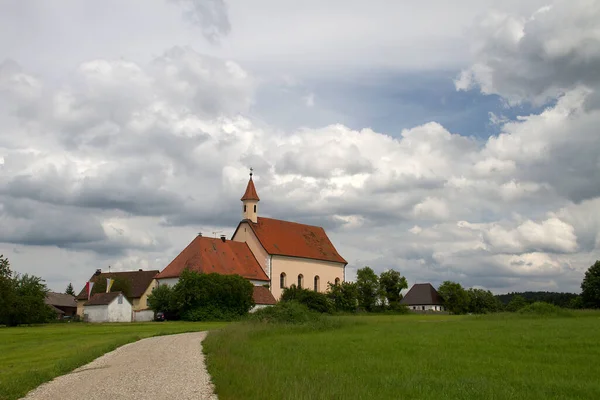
{"points": [[162, 367]]}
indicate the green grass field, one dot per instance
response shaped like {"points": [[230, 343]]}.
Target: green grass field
{"points": [[30, 356], [411, 357]]}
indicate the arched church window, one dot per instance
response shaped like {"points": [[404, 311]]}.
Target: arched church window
{"points": [[255, 208], [317, 283], [282, 280], [300, 281], [337, 281], [244, 208]]}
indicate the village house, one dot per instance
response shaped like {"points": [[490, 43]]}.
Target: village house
{"points": [[271, 253], [108, 307], [423, 297], [140, 283]]}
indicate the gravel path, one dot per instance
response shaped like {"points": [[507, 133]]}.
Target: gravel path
{"points": [[163, 367]]}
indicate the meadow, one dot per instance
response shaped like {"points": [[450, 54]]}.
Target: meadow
{"points": [[503, 356], [32, 355]]}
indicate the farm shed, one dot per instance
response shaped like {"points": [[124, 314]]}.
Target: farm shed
{"points": [[107, 307]]}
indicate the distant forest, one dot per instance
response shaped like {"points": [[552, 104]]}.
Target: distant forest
{"points": [[559, 299]]}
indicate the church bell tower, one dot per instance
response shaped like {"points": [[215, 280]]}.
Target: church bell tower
{"points": [[250, 202]]}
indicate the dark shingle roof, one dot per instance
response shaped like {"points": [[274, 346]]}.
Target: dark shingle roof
{"points": [[422, 294], [102, 299], [138, 280], [60, 299]]}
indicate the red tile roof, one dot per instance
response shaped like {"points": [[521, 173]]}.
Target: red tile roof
{"points": [[250, 193], [294, 240], [262, 295], [208, 255], [138, 281]]}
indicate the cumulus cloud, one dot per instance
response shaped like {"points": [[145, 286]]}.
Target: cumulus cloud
{"points": [[122, 162], [536, 57]]}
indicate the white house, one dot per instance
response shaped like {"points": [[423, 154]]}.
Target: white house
{"points": [[423, 297], [107, 307]]}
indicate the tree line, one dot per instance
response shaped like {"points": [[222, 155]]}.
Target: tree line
{"points": [[22, 298]]}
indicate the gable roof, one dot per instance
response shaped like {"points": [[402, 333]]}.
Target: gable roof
{"points": [[250, 193], [263, 296], [102, 299], [206, 255], [294, 240], [138, 281], [60, 299], [422, 294]]}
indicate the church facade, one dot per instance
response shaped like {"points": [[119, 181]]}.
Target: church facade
{"points": [[268, 252]]}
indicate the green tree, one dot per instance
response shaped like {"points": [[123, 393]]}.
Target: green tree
{"points": [[456, 299], [590, 287], [367, 284], [7, 290], [343, 296], [516, 303], [70, 290], [576, 303], [483, 302], [211, 296], [391, 284], [22, 298], [161, 299]]}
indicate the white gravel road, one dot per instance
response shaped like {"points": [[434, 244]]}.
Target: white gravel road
{"points": [[163, 367]]}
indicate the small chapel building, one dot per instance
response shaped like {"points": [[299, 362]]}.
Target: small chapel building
{"points": [[269, 252]]}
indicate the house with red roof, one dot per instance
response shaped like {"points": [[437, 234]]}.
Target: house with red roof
{"points": [[271, 253]]}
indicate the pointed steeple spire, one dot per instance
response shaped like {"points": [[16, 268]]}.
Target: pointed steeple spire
{"points": [[250, 200], [250, 193]]}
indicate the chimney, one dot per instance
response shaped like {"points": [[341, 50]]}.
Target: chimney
{"points": [[140, 269], [98, 271], [223, 238], [200, 234]]}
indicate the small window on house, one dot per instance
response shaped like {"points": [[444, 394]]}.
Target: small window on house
{"points": [[244, 208], [120, 299], [282, 280], [317, 283], [255, 208], [337, 281], [423, 308], [300, 281]]}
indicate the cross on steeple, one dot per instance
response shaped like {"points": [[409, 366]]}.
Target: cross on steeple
{"points": [[251, 169]]}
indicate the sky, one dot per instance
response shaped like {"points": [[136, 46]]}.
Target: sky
{"points": [[446, 140]]}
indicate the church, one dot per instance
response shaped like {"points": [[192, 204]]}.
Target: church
{"points": [[270, 253]]}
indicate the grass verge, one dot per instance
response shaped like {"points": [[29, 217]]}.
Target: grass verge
{"points": [[30, 356], [413, 357]]}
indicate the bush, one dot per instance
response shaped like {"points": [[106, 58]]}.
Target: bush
{"points": [[209, 313], [313, 300], [204, 297], [288, 312], [343, 296], [542, 309]]}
